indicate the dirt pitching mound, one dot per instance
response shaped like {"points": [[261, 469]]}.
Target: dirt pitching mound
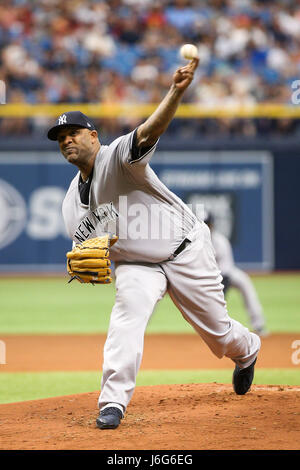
{"points": [[168, 417]]}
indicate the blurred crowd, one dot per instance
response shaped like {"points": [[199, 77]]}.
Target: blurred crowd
{"points": [[125, 51]]}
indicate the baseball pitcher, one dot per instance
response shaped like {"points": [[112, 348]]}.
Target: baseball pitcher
{"points": [[117, 209]]}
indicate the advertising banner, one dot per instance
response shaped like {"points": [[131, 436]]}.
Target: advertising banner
{"points": [[237, 187]]}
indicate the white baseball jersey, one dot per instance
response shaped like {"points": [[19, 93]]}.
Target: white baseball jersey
{"points": [[128, 199]]}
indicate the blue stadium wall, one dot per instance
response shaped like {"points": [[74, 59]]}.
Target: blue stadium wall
{"points": [[251, 186]]}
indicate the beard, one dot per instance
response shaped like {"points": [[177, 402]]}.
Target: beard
{"points": [[72, 155]]}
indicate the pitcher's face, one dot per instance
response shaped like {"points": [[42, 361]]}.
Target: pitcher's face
{"points": [[77, 144]]}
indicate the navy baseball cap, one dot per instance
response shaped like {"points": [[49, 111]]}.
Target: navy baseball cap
{"points": [[71, 118]]}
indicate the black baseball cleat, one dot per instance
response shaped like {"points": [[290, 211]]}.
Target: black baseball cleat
{"points": [[109, 418], [242, 378]]}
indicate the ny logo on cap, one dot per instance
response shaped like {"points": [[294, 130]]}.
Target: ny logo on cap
{"points": [[62, 119]]}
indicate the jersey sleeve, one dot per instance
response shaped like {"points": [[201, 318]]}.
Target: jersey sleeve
{"points": [[130, 154]]}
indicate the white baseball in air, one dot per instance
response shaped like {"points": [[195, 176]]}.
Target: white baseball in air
{"points": [[189, 51]]}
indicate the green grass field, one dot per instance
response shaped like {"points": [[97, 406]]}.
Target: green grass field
{"points": [[51, 306]]}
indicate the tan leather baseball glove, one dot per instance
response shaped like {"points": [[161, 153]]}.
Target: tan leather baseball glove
{"points": [[89, 262]]}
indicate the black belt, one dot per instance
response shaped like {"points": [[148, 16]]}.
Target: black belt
{"points": [[181, 247]]}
